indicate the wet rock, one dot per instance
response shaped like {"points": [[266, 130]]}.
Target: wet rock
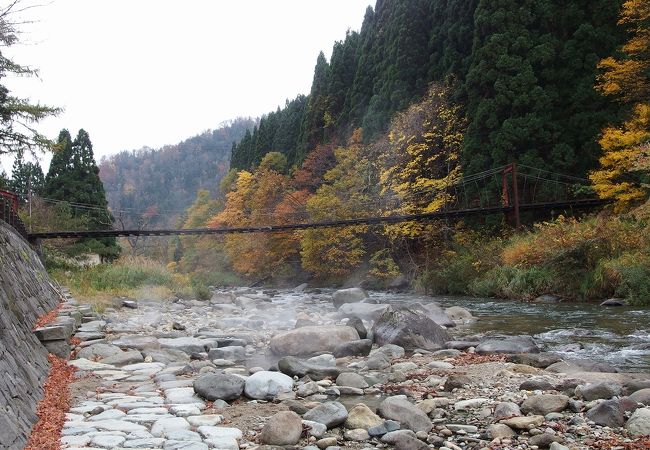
{"points": [[351, 379], [362, 417], [283, 428], [352, 295], [544, 404], [329, 414], [460, 314], [361, 347], [613, 302], [641, 396], [639, 423], [506, 410], [365, 311], [400, 409], [581, 365], [548, 298], [608, 413], [409, 329], [508, 344], [358, 325], [266, 385], [223, 386], [500, 431], [594, 391], [456, 382], [464, 405], [309, 340], [292, 366], [539, 360]]}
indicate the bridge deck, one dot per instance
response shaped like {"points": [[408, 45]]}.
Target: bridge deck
{"points": [[569, 204]]}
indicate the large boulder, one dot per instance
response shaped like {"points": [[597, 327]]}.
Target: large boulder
{"points": [[292, 366], [459, 314], [409, 329], [219, 386], [314, 339], [641, 396], [352, 295], [361, 347], [508, 344], [366, 311], [610, 413], [601, 390], [410, 416], [581, 365], [434, 312], [265, 385], [283, 428]]}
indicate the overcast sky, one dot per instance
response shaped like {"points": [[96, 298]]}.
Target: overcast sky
{"points": [[137, 73]]}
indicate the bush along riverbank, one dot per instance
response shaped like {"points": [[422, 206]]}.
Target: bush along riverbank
{"points": [[588, 260]]}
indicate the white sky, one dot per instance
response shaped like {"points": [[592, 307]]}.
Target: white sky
{"points": [[137, 73]]}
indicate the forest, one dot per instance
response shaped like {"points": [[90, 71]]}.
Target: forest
{"points": [[424, 93]]}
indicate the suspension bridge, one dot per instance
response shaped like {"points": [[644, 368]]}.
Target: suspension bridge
{"points": [[511, 190]]}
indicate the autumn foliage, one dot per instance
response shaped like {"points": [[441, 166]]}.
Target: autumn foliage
{"points": [[52, 409]]}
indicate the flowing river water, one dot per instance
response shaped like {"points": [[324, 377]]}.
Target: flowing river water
{"points": [[619, 336]]}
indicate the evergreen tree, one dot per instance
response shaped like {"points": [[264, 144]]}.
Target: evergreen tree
{"points": [[74, 178], [26, 176]]}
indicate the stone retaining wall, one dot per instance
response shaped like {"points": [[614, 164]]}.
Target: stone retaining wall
{"points": [[26, 293]]}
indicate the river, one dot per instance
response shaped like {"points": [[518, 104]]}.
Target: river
{"points": [[619, 336]]}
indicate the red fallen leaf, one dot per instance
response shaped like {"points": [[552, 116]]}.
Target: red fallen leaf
{"points": [[47, 318], [52, 409]]}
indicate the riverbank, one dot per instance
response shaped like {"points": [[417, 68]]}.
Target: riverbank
{"points": [[592, 259], [190, 374]]}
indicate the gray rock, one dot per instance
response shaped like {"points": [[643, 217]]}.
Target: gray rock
{"points": [[292, 366], [362, 417], [351, 379], [186, 344], [602, 390], [456, 382], [266, 385], [500, 431], [361, 347], [391, 351], [400, 409], [377, 361], [434, 312], [508, 344], [608, 413], [581, 365], [404, 440], [223, 386], [124, 358], [544, 404], [539, 360], [613, 302], [53, 333], [58, 348], [283, 428], [352, 295], [137, 342], [409, 329], [356, 435], [329, 414], [459, 314], [639, 423], [506, 410], [547, 298], [558, 446], [358, 325], [385, 427], [315, 429], [310, 340], [460, 345], [232, 353], [101, 350], [366, 311], [535, 385], [543, 440], [641, 396]]}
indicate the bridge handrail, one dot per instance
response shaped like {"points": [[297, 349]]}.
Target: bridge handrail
{"points": [[9, 213]]}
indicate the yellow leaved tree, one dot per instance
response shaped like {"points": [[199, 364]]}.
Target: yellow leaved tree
{"points": [[624, 170]]}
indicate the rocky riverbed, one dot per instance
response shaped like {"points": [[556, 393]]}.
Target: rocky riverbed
{"points": [[322, 370]]}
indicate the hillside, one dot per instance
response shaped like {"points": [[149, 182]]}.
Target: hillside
{"points": [[157, 185], [523, 72]]}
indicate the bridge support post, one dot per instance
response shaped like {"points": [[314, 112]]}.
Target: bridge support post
{"points": [[515, 194], [506, 197]]}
